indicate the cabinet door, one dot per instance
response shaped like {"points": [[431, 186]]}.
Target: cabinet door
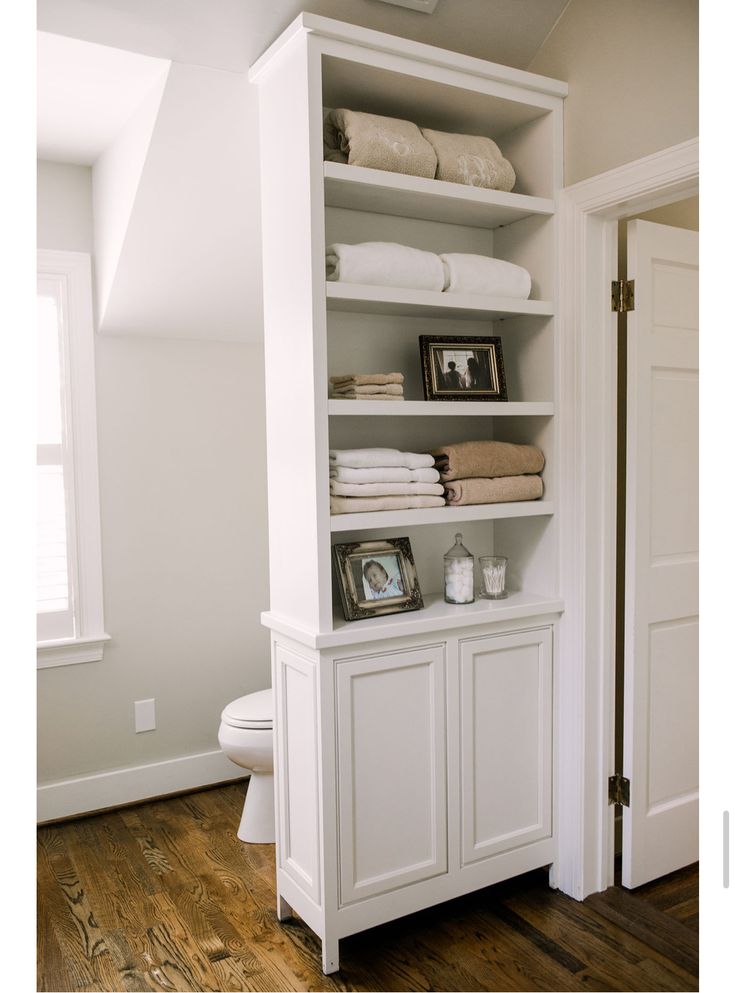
{"points": [[505, 729], [391, 741]]}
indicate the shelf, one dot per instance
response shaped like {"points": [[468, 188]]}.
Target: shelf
{"points": [[436, 615], [426, 303], [438, 408], [381, 519], [393, 193]]}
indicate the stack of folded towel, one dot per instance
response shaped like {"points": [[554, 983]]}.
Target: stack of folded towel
{"points": [[367, 479], [384, 263], [368, 386], [489, 472], [394, 145]]}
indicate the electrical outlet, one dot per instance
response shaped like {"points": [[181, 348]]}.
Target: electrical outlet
{"points": [[145, 715]]}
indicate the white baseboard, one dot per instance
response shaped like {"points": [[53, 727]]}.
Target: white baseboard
{"points": [[85, 794]]}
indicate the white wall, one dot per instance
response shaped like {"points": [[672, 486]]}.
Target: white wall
{"points": [[181, 430], [632, 69]]}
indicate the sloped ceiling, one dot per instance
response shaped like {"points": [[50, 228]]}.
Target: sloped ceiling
{"points": [[176, 185]]}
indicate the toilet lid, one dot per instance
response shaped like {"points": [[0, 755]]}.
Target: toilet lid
{"points": [[252, 711]]}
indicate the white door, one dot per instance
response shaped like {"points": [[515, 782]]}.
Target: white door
{"points": [[505, 734], [661, 571], [392, 761]]}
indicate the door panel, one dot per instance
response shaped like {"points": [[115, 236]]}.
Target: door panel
{"points": [[505, 729], [391, 734], [661, 571]]}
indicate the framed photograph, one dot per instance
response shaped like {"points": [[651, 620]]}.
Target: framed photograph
{"points": [[462, 368], [376, 577]]}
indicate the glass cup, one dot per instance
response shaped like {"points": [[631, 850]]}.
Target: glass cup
{"points": [[492, 570]]}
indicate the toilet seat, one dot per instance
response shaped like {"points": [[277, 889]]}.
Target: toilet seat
{"points": [[255, 711]]}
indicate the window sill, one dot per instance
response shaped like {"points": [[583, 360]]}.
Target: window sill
{"points": [[70, 651]]}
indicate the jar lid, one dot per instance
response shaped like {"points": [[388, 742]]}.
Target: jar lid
{"points": [[458, 551]]}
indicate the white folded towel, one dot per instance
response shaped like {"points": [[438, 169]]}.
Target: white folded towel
{"points": [[384, 263], [366, 396], [395, 389], [480, 274], [385, 489], [358, 505], [362, 458], [383, 474]]}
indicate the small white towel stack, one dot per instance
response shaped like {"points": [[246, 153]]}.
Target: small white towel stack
{"points": [[368, 479], [368, 386]]}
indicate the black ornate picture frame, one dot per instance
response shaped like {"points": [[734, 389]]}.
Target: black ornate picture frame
{"points": [[462, 367], [376, 577]]}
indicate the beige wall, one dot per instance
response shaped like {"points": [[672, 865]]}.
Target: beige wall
{"points": [[632, 69], [181, 427]]}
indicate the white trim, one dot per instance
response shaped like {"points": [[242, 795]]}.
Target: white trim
{"points": [[85, 794], [75, 269], [68, 651], [589, 212]]}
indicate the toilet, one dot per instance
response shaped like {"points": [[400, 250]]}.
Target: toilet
{"points": [[246, 738]]}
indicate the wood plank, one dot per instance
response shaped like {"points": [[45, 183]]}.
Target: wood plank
{"points": [[656, 929]]}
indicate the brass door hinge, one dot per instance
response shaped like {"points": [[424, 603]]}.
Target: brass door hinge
{"points": [[618, 790], [622, 295]]}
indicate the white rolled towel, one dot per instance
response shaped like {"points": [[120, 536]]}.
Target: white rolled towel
{"points": [[363, 458], [384, 263], [482, 275]]}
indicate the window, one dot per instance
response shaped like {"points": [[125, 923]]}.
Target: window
{"points": [[69, 561]]}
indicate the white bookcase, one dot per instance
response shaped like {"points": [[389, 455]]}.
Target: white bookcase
{"points": [[413, 751]]}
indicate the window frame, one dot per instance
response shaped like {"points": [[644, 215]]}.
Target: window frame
{"points": [[73, 273]]}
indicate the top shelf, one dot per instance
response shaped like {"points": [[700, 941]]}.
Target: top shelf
{"points": [[356, 188]]}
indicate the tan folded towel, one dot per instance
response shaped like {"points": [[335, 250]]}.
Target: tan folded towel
{"points": [[504, 489], [368, 378], [470, 159], [384, 489], [366, 396], [364, 505], [383, 474], [395, 389], [487, 459], [374, 142]]}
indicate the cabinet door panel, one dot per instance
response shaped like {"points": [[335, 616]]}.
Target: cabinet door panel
{"points": [[391, 733], [505, 729]]}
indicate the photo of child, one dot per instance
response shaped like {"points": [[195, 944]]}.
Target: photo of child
{"points": [[381, 577]]}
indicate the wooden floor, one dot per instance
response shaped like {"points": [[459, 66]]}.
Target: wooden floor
{"points": [[163, 896]]}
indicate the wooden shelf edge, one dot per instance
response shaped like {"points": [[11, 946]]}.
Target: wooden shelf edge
{"points": [[434, 408], [359, 188], [435, 616], [398, 300], [378, 520]]}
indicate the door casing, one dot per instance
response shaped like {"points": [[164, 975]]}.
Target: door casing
{"points": [[586, 383]]}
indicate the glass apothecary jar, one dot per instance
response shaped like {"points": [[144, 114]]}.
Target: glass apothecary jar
{"points": [[459, 573]]}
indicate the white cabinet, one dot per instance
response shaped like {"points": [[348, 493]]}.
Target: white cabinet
{"points": [[391, 770], [412, 751], [505, 730]]}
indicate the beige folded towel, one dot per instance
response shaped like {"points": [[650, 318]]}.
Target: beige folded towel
{"points": [[367, 379], [503, 489], [394, 389], [374, 142], [486, 459], [365, 505], [384, 489], [383, 474], [366, 396], [470, 159]]}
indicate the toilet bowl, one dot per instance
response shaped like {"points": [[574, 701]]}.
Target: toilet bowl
{"points": [[246, 738]]}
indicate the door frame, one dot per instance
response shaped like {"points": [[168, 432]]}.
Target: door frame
{"points": [[586, 376]]}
